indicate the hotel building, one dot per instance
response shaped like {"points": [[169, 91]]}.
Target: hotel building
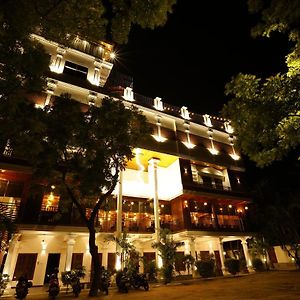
{"points": [[189, 177]]}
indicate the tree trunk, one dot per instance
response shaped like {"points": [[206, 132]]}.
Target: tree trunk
{"points": [[95, 276]]}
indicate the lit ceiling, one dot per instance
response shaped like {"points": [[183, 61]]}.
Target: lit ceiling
{"points": [[144, 156]]}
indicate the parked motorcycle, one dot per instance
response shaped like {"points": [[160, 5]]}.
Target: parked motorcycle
{"points": [[22, 288], [104, 281], [76, 286], [53, 287], [139, 280], [123, 281]]}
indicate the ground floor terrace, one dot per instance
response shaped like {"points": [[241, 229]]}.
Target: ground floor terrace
{"points": [[271, 285], [37, 252]]}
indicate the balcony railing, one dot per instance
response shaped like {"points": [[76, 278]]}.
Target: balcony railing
{"points": [[9, 209]]}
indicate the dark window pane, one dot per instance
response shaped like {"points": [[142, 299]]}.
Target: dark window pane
{"points": [[75, 70], [77, 259], [25, 265], [14, 189], [219, 183], [207, 181], [3, 186]]}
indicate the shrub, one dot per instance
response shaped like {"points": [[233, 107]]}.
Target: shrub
{"points": [[232, 265], [4, 278], [258, 265], [205, 268]]}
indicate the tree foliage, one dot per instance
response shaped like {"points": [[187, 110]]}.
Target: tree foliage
{"points": [[80, 152], [23, 61], [167, 251], [266, 112], [265, 115]]}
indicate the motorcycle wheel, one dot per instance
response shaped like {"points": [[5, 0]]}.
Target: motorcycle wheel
{"points": [[136, 286], [146, 286]]}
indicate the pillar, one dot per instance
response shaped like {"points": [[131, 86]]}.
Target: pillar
{"points": [[95, 75], [153, 163], [190, 249], [222, 257], [246, 254], [58, 62], [152, 170], [70, 246], [11, 258], [119, 220]]}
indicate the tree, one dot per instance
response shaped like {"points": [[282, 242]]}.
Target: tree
{"points": [[167, 250], [23, 61], [82, 153], [266, 112], [130, 257], [265, 115]]}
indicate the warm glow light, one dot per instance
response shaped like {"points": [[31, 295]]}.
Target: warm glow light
{"points": [[118, 262], [112, 55], [158, 138], [189, 145], [213, 151], [234, 156], [159, 262], [246, 207]]}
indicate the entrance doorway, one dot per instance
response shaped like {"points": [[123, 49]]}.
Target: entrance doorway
{"points": [[52, 264]]}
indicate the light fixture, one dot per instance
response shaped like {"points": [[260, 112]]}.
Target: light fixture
{"points": [[189, 145], [234, 156], [213, 151], [112, 55]]}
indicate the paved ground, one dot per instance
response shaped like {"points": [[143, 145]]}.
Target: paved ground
{"points": [[273, 285]]}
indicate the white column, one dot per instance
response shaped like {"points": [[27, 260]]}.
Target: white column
{"points": [[153, 163], [119, 220], [190, 249], [105, 257], [94, 76], [70, 246], [58, 62], [11, 258], [152, 171], [246, 254], [222, 257], [87, 261]]}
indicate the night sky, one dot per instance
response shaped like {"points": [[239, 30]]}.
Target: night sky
{"points": [[190, 59]]}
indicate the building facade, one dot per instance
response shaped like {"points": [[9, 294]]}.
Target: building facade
{"points": [[188, 178]]}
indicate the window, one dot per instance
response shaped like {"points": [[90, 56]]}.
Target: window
{"points": [[77, 259], [111, 261], [50, 202], [11, 188], [179, 264], [25, 265], [75, 70], [207, 181]]}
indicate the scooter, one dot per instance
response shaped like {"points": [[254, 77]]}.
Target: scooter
{"points": [[139, 280], [76, 286], [123, 282], [22, 288], [104, 282], [53, 288]]}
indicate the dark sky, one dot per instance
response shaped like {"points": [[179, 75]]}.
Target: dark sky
{"points": [[190, 59]]}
